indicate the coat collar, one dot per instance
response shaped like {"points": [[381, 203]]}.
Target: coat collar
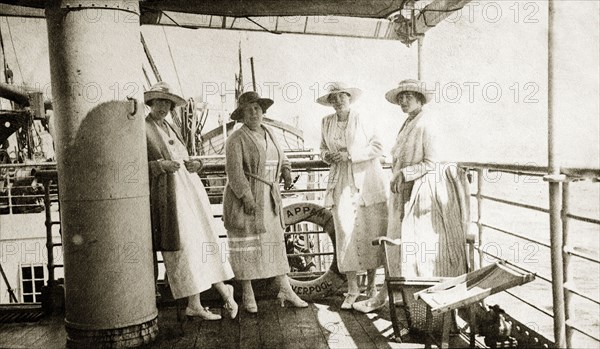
{"points": [[269, 134], [350, 129], [154, 126]]}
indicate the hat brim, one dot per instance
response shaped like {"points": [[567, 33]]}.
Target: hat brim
{"points": [[150, 95], [264, 103], [392, 95], [352, 91]]}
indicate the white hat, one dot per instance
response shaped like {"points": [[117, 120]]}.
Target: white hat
{"points": [[337, 87], [408, 85], [162, 90]]}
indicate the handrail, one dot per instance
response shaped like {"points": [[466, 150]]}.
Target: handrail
{"points": [[573, 172], [546, 312], [513, 203], [581, 294], [571, 251], [570, 324], [583, 219], [516, 235]]}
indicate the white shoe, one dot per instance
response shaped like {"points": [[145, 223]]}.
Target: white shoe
{"points": [[230, 304], [368, 305], [349, 300], [250, 303], [290, 296], [201, 313]]}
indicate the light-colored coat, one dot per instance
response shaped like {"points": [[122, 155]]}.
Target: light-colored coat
{"points": [[416, 150], [431, 211], [365, 149], [243, 155]]}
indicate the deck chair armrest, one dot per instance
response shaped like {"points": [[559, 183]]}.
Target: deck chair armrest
{"points": [[382, 239]]}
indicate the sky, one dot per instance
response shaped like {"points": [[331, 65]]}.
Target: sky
{"points": [[487, 62]]}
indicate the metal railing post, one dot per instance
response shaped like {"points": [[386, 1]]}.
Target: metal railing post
{"points": [[9, 193], [49, 240], [479, 214], [420, 57], [568, 280], [554, 179]]}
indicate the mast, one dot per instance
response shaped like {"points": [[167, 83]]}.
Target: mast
{"points": [[150, 60], [253, 77], [239, 79]]}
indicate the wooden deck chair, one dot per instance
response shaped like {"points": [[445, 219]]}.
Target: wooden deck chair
{"points": [[465, 290], [401, 289]]}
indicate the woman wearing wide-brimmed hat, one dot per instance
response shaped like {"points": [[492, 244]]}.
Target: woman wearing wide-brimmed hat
{"points": [[429, 207], [356, 189], [252, 209], [182, 221]]}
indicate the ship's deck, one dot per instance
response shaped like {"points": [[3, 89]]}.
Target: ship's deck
{"points": [[321, 325]]}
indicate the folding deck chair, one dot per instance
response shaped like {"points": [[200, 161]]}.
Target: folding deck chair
{"points": [[430, 302]]}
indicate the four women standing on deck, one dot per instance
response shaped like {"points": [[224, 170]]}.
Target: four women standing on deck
{"points": [[428, 207]]}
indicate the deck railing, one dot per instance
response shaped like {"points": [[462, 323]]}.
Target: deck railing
{"points": [[315, 182], [569, 176]]}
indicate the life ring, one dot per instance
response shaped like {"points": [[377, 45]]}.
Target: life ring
{"points": [[332, 279]]}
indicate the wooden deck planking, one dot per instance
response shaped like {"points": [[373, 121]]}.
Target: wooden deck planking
{"points": [[230, 330], [308, 323], [333, 327], [55, 337], [47, 333], [11, 334], [322, 325], [355, 330], [207, 334], [293, 337], [271, 334], [248, 329], [378, 327]]}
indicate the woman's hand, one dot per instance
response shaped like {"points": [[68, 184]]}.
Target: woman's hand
{"points": [[336, 157], [193, 165], [396, 182], [249, 204], [286, 175], [169, 166]]}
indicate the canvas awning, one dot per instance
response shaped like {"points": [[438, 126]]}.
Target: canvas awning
{"points": [[373, 19]]}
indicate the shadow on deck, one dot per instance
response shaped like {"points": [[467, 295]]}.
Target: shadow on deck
{"points": [[321, 325]]}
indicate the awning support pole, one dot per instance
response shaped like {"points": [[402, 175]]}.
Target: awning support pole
{"points": [[554, 179]]}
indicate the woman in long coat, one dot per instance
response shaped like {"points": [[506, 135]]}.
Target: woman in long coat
{"points": [[182, 222], [429, 205], [252, 210], [356, 189]]}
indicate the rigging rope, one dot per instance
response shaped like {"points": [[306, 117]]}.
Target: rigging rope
{"points": [[173, 60], [3, 54], [15, 51]]}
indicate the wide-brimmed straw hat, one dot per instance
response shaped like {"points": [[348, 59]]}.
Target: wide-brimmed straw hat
{"points": [[162, 90], [337, 87], [249, 98], [408, 85]]}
